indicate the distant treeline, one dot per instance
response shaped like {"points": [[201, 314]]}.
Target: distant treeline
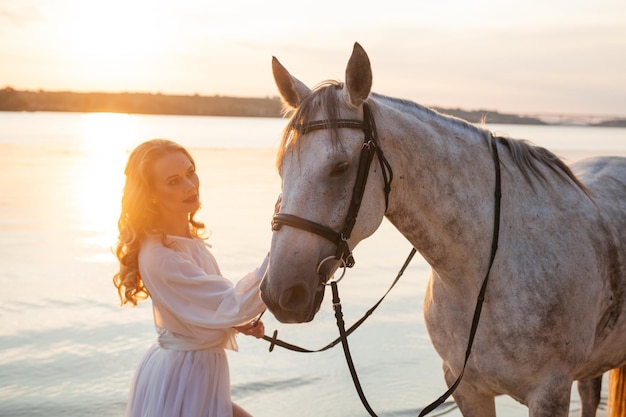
{"points": [[137, 103], [196, 105]]}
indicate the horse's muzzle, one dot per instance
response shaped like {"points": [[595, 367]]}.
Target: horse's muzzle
{"points": [[294, 304]]}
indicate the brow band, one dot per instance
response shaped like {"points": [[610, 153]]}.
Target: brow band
{"points": [[326, 124]]}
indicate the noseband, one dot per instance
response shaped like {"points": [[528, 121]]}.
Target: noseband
{"points": [[368, 150]]}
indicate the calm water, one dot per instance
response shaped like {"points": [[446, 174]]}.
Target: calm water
{"points": [[68, 349]]}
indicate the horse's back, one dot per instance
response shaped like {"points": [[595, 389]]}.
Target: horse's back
{"points": [[605, 179], [603, 175]]}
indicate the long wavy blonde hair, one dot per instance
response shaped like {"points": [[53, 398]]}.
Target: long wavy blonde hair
{"points": [[138, 216]]}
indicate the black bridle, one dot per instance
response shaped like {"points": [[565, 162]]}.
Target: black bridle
{"points": [[344, 254], [368, 150]]}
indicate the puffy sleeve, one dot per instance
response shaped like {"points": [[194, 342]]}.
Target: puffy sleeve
{"points": [[191, 297]]}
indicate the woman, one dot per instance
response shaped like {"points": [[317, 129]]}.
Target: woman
{"points": [[196, 311]]}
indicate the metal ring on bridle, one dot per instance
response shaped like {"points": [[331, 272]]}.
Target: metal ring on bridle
{"points": [[343, 265]]}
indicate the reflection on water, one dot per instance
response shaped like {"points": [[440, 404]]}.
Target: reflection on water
{"points": [[108, 133], [107, 138]]}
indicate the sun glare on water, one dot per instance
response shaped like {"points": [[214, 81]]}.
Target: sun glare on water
{"points": [[107, 139]]}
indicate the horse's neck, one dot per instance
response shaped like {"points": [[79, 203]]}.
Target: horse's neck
{"points": [[443, 188]]}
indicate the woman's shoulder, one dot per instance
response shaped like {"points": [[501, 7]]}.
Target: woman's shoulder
{"points": [[171, 242], [157, 246], [158, 254]]}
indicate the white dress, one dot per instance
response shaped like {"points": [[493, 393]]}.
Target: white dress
{"points": [[185, 373]]}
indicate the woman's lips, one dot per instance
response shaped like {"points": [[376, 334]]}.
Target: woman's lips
{"points": [[191, 199]]}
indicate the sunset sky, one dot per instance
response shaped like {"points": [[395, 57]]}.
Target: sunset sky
{"points": [[530, 56]]}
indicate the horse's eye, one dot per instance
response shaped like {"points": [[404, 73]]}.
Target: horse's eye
{"points": [[339, 169]]}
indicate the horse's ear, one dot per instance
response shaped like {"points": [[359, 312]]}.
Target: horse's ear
{"points": [[358, 76], [292, 90]]}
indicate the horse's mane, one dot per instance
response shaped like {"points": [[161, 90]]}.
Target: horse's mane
{"points": [[527, 157]]}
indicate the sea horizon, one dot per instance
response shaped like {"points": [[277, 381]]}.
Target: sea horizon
{"points": [[157, 103]]}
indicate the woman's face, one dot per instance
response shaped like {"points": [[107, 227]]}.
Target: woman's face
{"points": [[175, 186]]}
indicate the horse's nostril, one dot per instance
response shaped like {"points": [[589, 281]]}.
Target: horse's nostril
{"points": [[294, 298]]}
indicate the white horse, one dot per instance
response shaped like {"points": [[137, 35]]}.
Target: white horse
{"points": [[555, 305]]}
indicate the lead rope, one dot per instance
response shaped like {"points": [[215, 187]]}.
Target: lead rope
{"points": [[274, 341], [346, 348], [479, 303]]}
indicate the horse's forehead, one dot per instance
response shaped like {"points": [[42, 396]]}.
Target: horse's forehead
{"points": [[315, 150], [311, 150], [331, 141]]}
